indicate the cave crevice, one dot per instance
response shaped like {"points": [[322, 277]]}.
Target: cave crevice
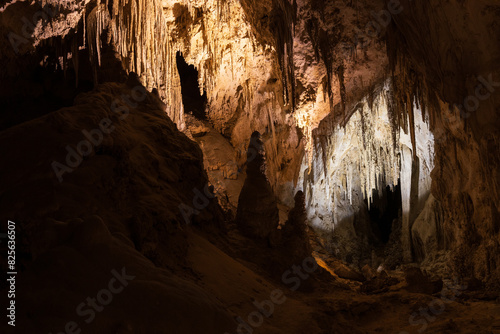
{"points": [[193, 101]]}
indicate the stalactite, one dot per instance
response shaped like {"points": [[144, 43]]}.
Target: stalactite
{"points": [[84, 27], [273, 132], [147, 39], [377, 140], [343, 94], [97, 21], [285, 17]]}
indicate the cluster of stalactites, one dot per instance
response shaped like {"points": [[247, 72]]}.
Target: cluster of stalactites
{"points": [[378, 133], [379, 164], [138, 31], [144, 38], [366, 148], [96, 22], [145, 35], [410, 91]]}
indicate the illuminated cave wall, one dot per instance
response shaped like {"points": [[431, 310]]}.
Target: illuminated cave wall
{"points": [[351, 162], [456, 61], [242, 76]]}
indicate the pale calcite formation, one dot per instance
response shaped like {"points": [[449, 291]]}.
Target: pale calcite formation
{"points": [[415, 177], [335, 66], [360, 158]]}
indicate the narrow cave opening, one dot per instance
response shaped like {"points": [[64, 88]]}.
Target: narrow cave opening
{"points": [[384, 209], [192, 100]]}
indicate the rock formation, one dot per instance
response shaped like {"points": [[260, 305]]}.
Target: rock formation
{"points": [[257, 214], [294, 237], [104, 211]]}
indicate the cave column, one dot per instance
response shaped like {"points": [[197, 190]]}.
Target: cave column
{"points": [[405, 177]]}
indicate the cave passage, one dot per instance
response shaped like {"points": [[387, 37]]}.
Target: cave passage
{"points": [[192, 100], [383, 210]]}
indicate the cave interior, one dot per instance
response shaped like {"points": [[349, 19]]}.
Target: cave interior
{"points": [[228, 166]]}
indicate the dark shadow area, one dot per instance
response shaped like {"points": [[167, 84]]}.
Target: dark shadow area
{"points": [[40, 84], [39, 91], [192, 100], [383, 210]]}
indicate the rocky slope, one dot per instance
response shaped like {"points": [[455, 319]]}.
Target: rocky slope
{"points": [[106, 211]]}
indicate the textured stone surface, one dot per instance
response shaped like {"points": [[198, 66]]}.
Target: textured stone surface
{"points": [[351, 163], [112, 211]]}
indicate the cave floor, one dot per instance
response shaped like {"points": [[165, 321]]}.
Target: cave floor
{"points": [[329, 304]]}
